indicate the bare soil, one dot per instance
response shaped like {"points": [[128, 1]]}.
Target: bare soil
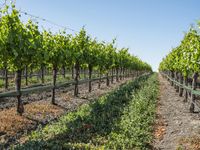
{"points": [[176, 127], [40, 111]]}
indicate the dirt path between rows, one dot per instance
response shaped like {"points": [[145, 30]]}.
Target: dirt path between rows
{"points": [[176, 127]]}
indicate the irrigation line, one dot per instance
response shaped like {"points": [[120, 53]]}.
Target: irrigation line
{"points": [[49, 87]]}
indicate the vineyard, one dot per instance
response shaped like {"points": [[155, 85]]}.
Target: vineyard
{"points": [[36, 65], [25, 49], [94, 127], [61, 90], [181, 67]]}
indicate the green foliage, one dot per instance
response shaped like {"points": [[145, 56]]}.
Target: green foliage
{"points": [[15, 42], [135, 126], [54, 46], [121, 119], [23, 45], [186, 57], [79, 45]]}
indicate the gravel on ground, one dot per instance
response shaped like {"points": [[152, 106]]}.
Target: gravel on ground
{"points": [[175, 127]]}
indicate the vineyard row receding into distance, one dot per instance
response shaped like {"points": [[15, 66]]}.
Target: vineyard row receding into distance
{"points": [[121, 119], [91, 94], [24, 49], [182, 65]]}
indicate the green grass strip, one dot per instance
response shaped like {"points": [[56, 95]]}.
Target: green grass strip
{"points": [[121, 119], [134, 129]]}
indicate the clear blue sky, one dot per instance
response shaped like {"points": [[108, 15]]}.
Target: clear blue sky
{"points": [[150, 28]]}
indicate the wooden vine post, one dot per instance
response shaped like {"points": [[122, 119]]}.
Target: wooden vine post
{"points": [[193, 97], [90, 77], [185, 91], [180, 87], [107, 79], [20, 107], [176, 79], [117, 74], [172, 76], [112, 73], [6, 78], [42, 74], [76, 79], [54, 85], [99, 84], [72, 71], [26, 75]]}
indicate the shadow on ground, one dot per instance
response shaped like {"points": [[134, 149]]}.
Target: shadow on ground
{"points": [[90, 124]]}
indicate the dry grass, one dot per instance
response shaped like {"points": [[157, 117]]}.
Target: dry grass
{"points": [[36, 112], [190, 143], [160, 125], [10, 122], [41, 112]]}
